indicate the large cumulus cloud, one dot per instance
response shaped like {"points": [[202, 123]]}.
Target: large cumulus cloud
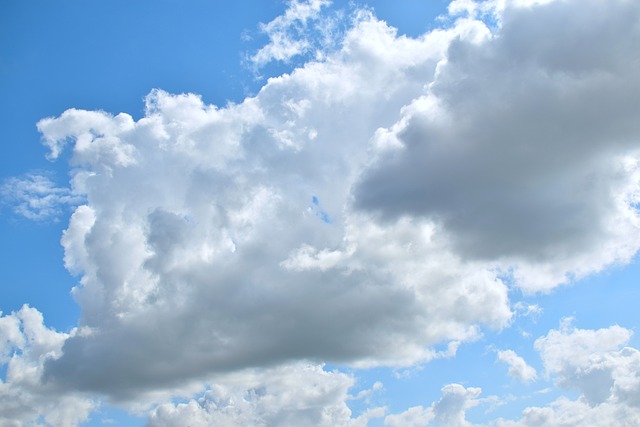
{"points": [[216, 239], [220, 238]]}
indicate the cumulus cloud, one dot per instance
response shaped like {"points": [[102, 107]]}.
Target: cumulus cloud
{"points": [[589, 360], [25, 345], [293, 395], [600, 367], [597, 364], [449, 411], [524, 147], [201, 248], [518, 367]]}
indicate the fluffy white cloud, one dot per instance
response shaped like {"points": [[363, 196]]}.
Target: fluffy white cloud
{"points": [[293, 395], [596, 364], [518, 368], [449, 411], [25, 345], [591, 361]]}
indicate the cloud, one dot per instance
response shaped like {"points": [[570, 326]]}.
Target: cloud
{"points": [[36, 197], [290, 34], [360, 210], [201, 250], [25, 345], [449, 411], [596, 364], [294, 395], [590, 361], [524, 147], [518, 368]]}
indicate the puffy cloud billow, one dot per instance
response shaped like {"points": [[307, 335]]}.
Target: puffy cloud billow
{"points": [[363, 209], [217, 239]]}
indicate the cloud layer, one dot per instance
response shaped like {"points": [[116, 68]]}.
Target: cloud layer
{"points": [[365, 209]]}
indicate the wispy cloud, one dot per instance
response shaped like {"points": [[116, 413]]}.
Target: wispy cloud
{"points": [[35, 197], [300, 30]]}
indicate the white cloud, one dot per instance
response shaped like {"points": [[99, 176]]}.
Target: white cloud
{"points": [[518, 368], [294, 395], [25, 345], [596, 364], [36, 197], [449, 411], [587, 359], [290, 34]]}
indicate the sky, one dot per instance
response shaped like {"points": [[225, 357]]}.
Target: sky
{"points": [[315, 213]]}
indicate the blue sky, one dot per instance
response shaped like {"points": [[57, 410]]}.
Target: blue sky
{"points": [[319, 213]]}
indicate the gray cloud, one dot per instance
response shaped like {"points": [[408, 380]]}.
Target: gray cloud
{"points": [[516, 147]]}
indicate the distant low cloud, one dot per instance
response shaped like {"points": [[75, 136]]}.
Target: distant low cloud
{"points": [[597, 364], [449, 411], [25, 345]]}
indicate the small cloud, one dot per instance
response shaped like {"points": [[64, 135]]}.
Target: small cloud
{"points": [[523, 309], [518, 368], [35, 197]]}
